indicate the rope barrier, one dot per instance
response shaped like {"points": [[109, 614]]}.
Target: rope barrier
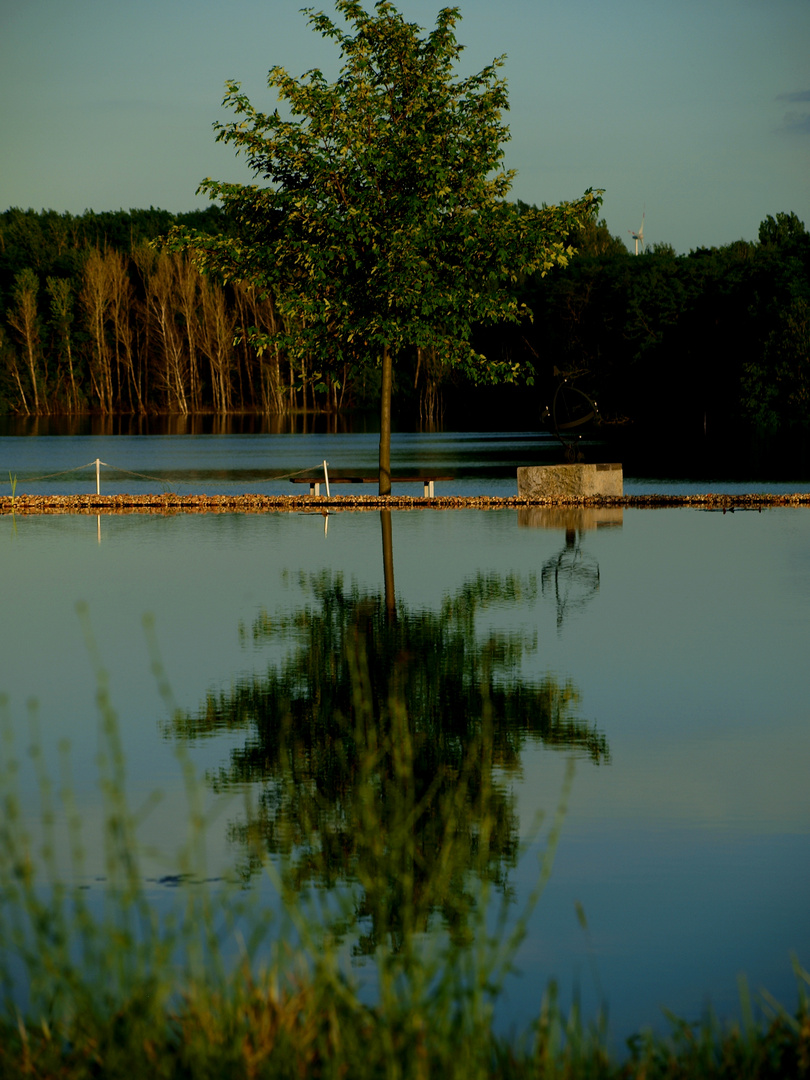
{"points": [[64, 472], [141, 476], [163, 481], [217, 483]]}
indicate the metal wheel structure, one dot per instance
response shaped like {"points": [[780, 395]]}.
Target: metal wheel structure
{"points": [[571, 409]]}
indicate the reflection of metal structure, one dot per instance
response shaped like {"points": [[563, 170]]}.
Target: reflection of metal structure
{"points": [[572, 576], [571, 410]]}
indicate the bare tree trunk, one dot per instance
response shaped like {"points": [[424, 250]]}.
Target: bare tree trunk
{"points": [[23, 319], [385, 421], [241, 325], [188, 284], [216, 343], [62, 311], [144, 258], [94, 299], [161, 306], [15, 373], [272, 397], [430, 398], [343, 386], [122, 306]]}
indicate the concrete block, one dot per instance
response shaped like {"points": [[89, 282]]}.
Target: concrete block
{"points": [[569, 481]]}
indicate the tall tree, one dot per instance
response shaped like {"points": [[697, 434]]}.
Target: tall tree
{"points": [[216, 342], [162, 309], [385, 224], [94, 299], [61, 294], [121, 308], [24, 319]]}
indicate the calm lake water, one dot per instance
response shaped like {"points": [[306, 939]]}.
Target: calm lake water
{"points": [[480, 463], [664, 651]]}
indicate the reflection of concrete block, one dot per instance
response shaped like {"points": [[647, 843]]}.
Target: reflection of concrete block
{"points": [[569, 481], [570, 518]]}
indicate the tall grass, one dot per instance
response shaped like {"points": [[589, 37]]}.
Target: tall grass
{"points": [[107, 987]]}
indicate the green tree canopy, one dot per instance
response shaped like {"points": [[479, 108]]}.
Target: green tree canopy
{"points": [[384, 223], [781, 230]]}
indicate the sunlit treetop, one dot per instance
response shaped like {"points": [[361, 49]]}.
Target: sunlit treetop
{"points": [[384, 219]]}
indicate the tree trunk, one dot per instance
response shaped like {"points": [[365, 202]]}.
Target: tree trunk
{"points": [[15, 372], [95, 302], [23, 319], [385, 422]]}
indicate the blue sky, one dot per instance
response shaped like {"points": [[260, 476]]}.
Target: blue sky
{"points": [[695, 111]]}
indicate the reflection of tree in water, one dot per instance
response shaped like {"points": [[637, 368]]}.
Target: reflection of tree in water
{"points": [[380, 743]]}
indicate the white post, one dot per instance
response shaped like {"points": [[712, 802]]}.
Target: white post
{"points": [[98, 477], [326, 479]]}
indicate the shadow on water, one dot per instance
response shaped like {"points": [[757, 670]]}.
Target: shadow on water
{"points": [[410, 719]]}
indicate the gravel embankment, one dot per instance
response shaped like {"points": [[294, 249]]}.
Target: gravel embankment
{"points": [[260, 504]]}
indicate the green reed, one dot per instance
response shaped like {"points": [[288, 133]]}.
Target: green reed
{"points": [[111, 989]]}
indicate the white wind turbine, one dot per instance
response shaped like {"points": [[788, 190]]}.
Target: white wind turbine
{"points": [[639, 236]]}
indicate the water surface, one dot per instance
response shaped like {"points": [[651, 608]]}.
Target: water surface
{"points": [[664, 651], [479, 463]]}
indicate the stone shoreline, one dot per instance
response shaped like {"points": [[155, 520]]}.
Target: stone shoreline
{"points": [[261, 504]]}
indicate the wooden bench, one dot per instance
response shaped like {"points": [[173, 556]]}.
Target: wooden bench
{"points": [[315, 482]]}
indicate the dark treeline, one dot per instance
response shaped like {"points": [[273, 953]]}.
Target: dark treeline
{"points": [[95, 318], [717, 337]]}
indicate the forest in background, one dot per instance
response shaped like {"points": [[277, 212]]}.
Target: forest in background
{"points": [[96, 319]]}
